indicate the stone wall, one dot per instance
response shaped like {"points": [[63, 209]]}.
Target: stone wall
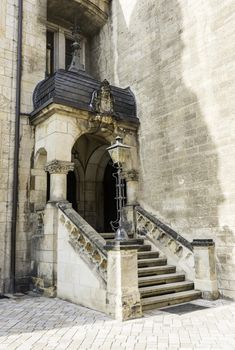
{"points": [[7, 95], [33, 70], [177, 56], [79, 280]]}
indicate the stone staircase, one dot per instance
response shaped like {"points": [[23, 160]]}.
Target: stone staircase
{"points": [[159, 283]]}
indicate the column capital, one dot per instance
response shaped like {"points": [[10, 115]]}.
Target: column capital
{"points": [[59, 167], [131, 175]]}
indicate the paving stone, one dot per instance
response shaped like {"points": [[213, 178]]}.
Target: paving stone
{"points": [[73, 327]]}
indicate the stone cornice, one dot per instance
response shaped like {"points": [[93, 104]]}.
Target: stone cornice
{"points": [[59, 167], [52, 108]]}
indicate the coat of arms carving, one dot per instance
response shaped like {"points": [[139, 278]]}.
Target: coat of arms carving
{"points": [[102, 100]]}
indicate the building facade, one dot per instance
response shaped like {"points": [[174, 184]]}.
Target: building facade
{"points": [[177, 116]]}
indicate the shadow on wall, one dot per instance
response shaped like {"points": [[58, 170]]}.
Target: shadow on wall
{"points": [[179, 163], [179, 160]]}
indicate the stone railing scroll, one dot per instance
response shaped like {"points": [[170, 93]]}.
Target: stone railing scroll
{"points": [[85, 240], [178, 250]]}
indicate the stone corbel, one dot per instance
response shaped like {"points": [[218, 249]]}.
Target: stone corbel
{"points": [[59, 167], [131, 175]]}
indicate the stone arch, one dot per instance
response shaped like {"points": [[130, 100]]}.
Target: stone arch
{"points": [[95, 174], [90, 157], [79, 176]]}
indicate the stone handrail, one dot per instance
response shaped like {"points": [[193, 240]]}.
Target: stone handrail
{"points": [[142, 213], [178, 250], [84, 239]]}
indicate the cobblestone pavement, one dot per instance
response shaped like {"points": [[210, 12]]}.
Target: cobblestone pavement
{"points": [[41, 323]]}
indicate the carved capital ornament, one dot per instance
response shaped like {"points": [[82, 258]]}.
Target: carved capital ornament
{"points": [[59, 167], [132, 175]]}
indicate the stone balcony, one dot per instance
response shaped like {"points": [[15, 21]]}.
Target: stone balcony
{"points": [[90, 14]]}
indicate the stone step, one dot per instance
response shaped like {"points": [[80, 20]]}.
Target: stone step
{"points": [[165, 289], [169, 299], [152, 262], [145, 248], [130, 241], [108, 235], [111, 235], [155, 270], [161, 279], [148, 255]]}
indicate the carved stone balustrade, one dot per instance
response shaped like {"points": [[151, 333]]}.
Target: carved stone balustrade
{"points": [[177, 249], [85, 240]]}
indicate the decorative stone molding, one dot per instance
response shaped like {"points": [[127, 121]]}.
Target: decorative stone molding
{"points": [[101, 123], [59, 167], [40, 222], [131, 175], [85, 240]]}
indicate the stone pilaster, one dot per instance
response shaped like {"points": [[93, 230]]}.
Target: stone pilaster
{"points": [[132, 186], [123, 297], [131, 177], [58, 172], [205, 268]]}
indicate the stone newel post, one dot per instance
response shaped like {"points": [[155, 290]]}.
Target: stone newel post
{"points": [[123, 297], [58, 171], [205, 268]]}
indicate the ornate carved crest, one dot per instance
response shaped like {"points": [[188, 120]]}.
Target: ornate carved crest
{"points": [[102, 99], [59, 167]]}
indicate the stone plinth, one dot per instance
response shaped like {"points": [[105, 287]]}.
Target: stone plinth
{"points": [[205, 268], [123, 297]]}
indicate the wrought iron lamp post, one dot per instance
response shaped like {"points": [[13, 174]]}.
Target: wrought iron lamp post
{"points": [[119, 154]]}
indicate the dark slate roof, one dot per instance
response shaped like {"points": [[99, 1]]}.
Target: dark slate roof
{"points": [[75, 89]]}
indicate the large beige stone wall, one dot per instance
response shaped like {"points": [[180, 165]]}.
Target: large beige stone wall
{"points": [[33, 70], [178, 57]]}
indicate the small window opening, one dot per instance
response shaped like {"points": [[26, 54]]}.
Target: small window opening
{"points": [[50, 54], [68, 52]]}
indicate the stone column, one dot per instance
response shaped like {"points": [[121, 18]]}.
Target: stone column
{"points": [[132, 184], [205, 268], [47, 264], [123, 297], [60, 50], [58, 171]]}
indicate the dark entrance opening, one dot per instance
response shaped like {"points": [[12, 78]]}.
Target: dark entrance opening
{"points": [[48, 186], [72, 189], [109, 185]]}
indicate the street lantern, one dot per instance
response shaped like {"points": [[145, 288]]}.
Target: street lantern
{"points": [[119, 154]]}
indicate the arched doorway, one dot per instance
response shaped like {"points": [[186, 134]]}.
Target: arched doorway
{"points": [[72, 190], [91, 187]]}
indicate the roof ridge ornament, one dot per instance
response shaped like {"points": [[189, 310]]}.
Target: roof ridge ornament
{"points": [[76, 65]]}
